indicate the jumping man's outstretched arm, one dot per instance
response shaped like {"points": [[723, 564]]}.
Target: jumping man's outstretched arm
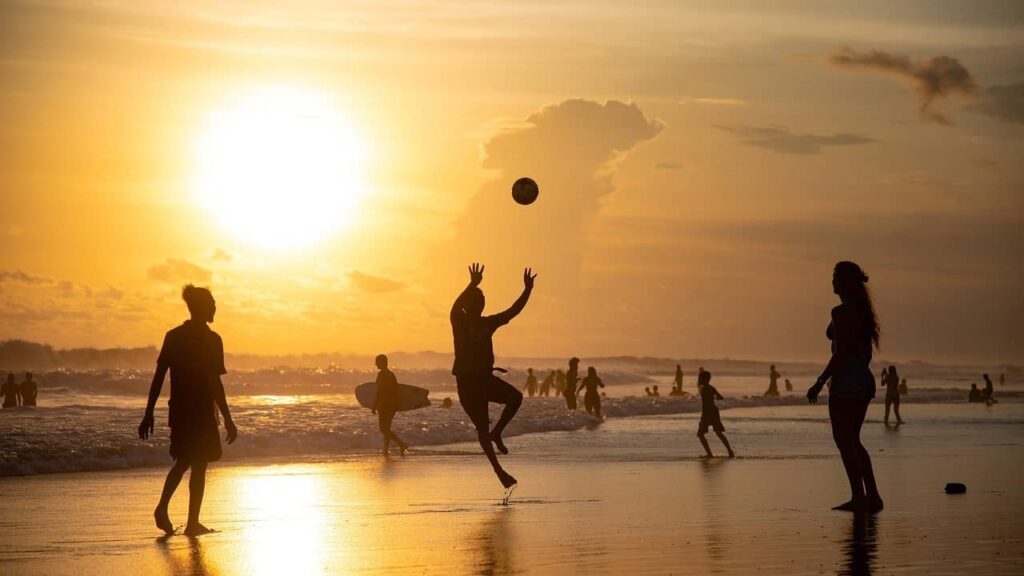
{"points": [[520, 303], [476, 276]]}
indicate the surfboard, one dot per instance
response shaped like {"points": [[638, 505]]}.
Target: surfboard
{"points": [[409, 397]]}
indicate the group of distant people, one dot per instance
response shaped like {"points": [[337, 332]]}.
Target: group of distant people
{"points": [[987, 395], [15, 394], [565, 384]]}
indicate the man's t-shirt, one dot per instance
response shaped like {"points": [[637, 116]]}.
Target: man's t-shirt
{"points": [[387, 390], [708, 393], [474, 351], [195, 356]]}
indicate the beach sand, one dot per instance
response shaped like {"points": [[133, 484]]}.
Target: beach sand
{"points": [[628, 496]]}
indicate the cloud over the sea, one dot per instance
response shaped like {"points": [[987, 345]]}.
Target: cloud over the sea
{"points": [[783, 140], [934, 78]]}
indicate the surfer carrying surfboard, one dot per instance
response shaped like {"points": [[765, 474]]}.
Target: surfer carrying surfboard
{"points": [[474, 364], [387, 404]]}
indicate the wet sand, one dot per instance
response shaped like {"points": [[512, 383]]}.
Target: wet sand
{"points": [[438, 512]]}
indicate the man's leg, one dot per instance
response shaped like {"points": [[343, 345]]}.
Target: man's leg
{"points": [[196, 490], [701, 434], [473, 401], [721, 436], [501, 392], [163, 521]]}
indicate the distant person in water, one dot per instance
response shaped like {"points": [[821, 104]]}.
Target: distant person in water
{"points": [[546, 384], [773, 382], [892, 395], [11, 392], [700, 371], [559, 381], [975, 394], [903, 387], [194, 354], [569, 390], [386, 404], [677, 382], [28, 391], [647, 390], [789, 385], [591, 397], [710, 416], [474, 364], [1002, 380], [986, 394], [854, 333], [531, 383], [654, 391]]}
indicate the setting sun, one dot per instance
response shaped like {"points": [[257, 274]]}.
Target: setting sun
{"points": [[280, 168]]}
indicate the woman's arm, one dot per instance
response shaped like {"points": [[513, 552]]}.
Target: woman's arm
{"points": [[826, 374]]}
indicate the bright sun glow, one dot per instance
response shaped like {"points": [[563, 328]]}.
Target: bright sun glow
{"points": [[280, 168]]}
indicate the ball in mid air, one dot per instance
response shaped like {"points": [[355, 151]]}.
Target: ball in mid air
{"points": [[525, 191]]}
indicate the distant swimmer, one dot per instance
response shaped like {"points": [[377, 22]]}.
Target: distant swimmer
{"points": [[654, 391], [11, 392], [28, 391], [973, 396], [387, 404], [569, 390], [545, 386], [903, 387], [474, 364], [194, 354], [854, 333], [678, 391], [446, 403], [773, 382], [531, 383], [1002, 380], [559, 381], [710, 416], [892, 395], [647, 390], [789, 385], [591, 398]]}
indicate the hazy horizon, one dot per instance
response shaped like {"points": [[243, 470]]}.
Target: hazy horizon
{"points": [[331, 171]]}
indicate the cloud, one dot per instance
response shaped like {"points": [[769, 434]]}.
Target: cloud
{"points": [[1002, 102], [938, 77], [668, 166], [783, 140], [374, 284], [176, 271], [23, 277]]}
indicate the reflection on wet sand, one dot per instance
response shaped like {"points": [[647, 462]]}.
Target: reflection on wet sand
{"points": [[860, 547], [495, 541], [187, 560]]}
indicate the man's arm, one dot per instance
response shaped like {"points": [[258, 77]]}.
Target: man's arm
{"points": [[520, 303], [222, 403], [146, 427]]}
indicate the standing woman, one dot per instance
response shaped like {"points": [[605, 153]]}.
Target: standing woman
{"points": [[853, 332], [892, 395]]}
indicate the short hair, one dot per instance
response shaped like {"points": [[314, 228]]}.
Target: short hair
{"points": [[381, 358], [195, 296]]}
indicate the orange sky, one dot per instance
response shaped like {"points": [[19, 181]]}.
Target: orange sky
{"points": [[701, 170]]}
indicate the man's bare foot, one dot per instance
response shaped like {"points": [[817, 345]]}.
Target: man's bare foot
{"points": [[851, 506], [506, 479], [163, 521], [732, 454], [707, 456], [496, 439], [875, 504], [405, 450], [197, 529]]}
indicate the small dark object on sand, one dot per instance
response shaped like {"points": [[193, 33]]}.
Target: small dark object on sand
{"points": [[956, 488]]}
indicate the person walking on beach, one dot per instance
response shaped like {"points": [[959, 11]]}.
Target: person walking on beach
{"points": [[710, 416], [591, 398], [194, 354], [987, 394], [571, 378], [531, 383], [773, 382], [854, 332], [386, 405], [11, 392], [474, 364], [545, 386], [892, 395], [28, 391]]}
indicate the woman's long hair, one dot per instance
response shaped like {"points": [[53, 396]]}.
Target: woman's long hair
{"points": [[852, 284]]}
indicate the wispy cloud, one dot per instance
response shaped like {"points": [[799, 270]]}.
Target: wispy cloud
{"points": [[783, 140], [177, 271], [938, 77], [374, 284]]}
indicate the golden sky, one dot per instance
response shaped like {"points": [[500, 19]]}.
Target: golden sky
{"points": [[701, 170]]}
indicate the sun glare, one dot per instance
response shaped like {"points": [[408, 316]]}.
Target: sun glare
{"points": [[280, 168]]}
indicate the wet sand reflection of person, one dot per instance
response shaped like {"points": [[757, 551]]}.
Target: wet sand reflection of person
{"points": [[194, 355], [860, 547], [854, 333]]}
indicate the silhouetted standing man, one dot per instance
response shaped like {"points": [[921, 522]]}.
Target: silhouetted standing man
{"points": [[474, 364], [386, 404], [773, 382], [28, 391], [11, 392], [194, 354]]}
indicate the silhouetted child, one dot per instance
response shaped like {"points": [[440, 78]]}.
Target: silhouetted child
{"points": [[11, 392], [387, 404], [194, 354], [591, 398], [531, 383], [975, 394], [773, 382], [709, 415], [903, 387], [647, 391], [474, 364], [28, 391]]}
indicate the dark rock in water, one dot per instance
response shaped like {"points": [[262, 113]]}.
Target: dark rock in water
{"points": [[956, 488]]}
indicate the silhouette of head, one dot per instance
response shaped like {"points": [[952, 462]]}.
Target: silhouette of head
{"points": [[772, 366], [647, 389], [704, 378], [892, 372], [985, 376], [381, 361], [655, 387], [474, 301], [28, 376], [10, 377], [974, 385], [850, 283], [200, 303], [574, 362], [591, 371]]}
